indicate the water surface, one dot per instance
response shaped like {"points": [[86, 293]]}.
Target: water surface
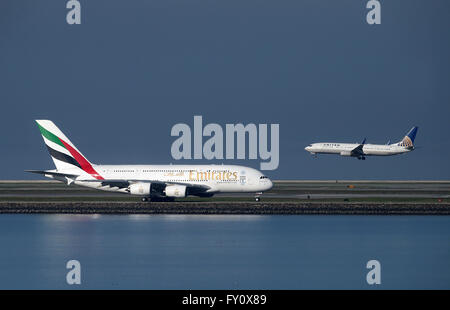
{"points": [[224, 251]]}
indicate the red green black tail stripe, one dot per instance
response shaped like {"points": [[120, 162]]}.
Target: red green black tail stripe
{"points": [[77, 159], [63, 157]]}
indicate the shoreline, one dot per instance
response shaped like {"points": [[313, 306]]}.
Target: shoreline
{"points": [[242, 208]]}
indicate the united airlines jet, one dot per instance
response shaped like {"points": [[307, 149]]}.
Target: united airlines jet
{"points": [[150, 182], [361, 150]]}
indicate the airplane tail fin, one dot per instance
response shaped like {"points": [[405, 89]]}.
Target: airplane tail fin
{"points": [[408, 140], [65, 155]]}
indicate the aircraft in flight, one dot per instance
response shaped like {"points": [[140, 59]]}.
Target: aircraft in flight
{"points": [[150, 182], [361, 150]]}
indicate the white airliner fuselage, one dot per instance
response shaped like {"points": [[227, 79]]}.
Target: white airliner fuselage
{"points": [[184, 178], [360, 150], [147, 181], [346, 148]]}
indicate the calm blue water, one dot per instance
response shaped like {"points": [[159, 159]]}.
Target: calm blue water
{"points": [[224, 252]]}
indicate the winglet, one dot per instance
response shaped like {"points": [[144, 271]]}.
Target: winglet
{"points": [[363, 141]]}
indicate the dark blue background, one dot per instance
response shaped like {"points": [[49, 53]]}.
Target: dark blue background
{"points": [[117, 83]]}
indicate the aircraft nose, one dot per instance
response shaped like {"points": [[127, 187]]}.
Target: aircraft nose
{"points": [[269, 184], [307, 148]]}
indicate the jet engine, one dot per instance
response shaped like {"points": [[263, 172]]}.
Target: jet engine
{"points": [[346, 153], [142, 189], [178, 191]]}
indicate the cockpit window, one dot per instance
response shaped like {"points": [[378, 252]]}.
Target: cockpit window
{"points": [[263, 177]]}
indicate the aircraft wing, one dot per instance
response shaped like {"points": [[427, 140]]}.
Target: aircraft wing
{"points": [[53, 173], [358, 151], [159, 185]]}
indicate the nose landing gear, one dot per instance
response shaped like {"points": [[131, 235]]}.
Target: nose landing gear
{"points": [[258, 196]]}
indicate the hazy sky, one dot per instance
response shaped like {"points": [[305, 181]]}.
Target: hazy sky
{"points": [[117, 83]]}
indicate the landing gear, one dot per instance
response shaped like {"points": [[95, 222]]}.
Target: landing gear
{"points": [[362, 157], [144, 199], [258, 196]]}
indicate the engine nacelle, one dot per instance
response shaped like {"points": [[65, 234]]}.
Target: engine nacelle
{"points": [[178, 191], [346, 153], [141, 189]]}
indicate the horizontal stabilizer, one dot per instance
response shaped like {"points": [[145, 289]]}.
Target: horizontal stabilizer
{"points": [[53, 173]]}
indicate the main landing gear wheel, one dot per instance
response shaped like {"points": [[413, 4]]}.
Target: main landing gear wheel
{"points": [[257, 199], [144, 199]]}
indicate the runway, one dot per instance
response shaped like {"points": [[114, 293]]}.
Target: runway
{"points": [[286, 197]]}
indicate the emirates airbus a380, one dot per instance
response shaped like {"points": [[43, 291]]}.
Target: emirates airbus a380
{"points": [[150, 182], [361, 150]]}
